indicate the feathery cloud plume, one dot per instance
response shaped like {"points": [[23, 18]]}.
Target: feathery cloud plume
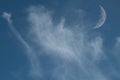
{"points": [[67, 45], [62, 52], [78, 53]]}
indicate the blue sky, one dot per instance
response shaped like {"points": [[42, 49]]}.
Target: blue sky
{"points": [[57, 40]]}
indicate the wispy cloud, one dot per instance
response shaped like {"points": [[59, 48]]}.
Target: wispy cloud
{"points": [[34, 64], [73, 47], [116, 51], [118, 42], [7, 16], [72, 53]]}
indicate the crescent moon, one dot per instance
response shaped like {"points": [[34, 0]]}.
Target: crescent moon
{"points": [[102, 19]]}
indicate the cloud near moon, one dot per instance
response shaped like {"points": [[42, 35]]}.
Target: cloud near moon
{"points": [[74, 55], [72, 49]]}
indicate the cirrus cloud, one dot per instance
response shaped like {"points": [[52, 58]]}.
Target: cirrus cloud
{"points": [[72, 53]]}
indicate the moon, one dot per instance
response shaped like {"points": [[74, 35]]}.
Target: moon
{"points": [[102, 19]]}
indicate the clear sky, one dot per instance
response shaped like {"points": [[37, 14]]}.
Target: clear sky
{"points": [[59, 40]]}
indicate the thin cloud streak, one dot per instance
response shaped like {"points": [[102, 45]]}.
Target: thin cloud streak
{"points": [[34, 64], [7, 16]]}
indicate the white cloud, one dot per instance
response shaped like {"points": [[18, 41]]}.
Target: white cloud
{"points": [[117, 42], [75, 54], [72, 46], [116, 50], [7, 16]]}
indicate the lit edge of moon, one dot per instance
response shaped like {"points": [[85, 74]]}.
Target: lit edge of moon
{"points": [[102, 19]]}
